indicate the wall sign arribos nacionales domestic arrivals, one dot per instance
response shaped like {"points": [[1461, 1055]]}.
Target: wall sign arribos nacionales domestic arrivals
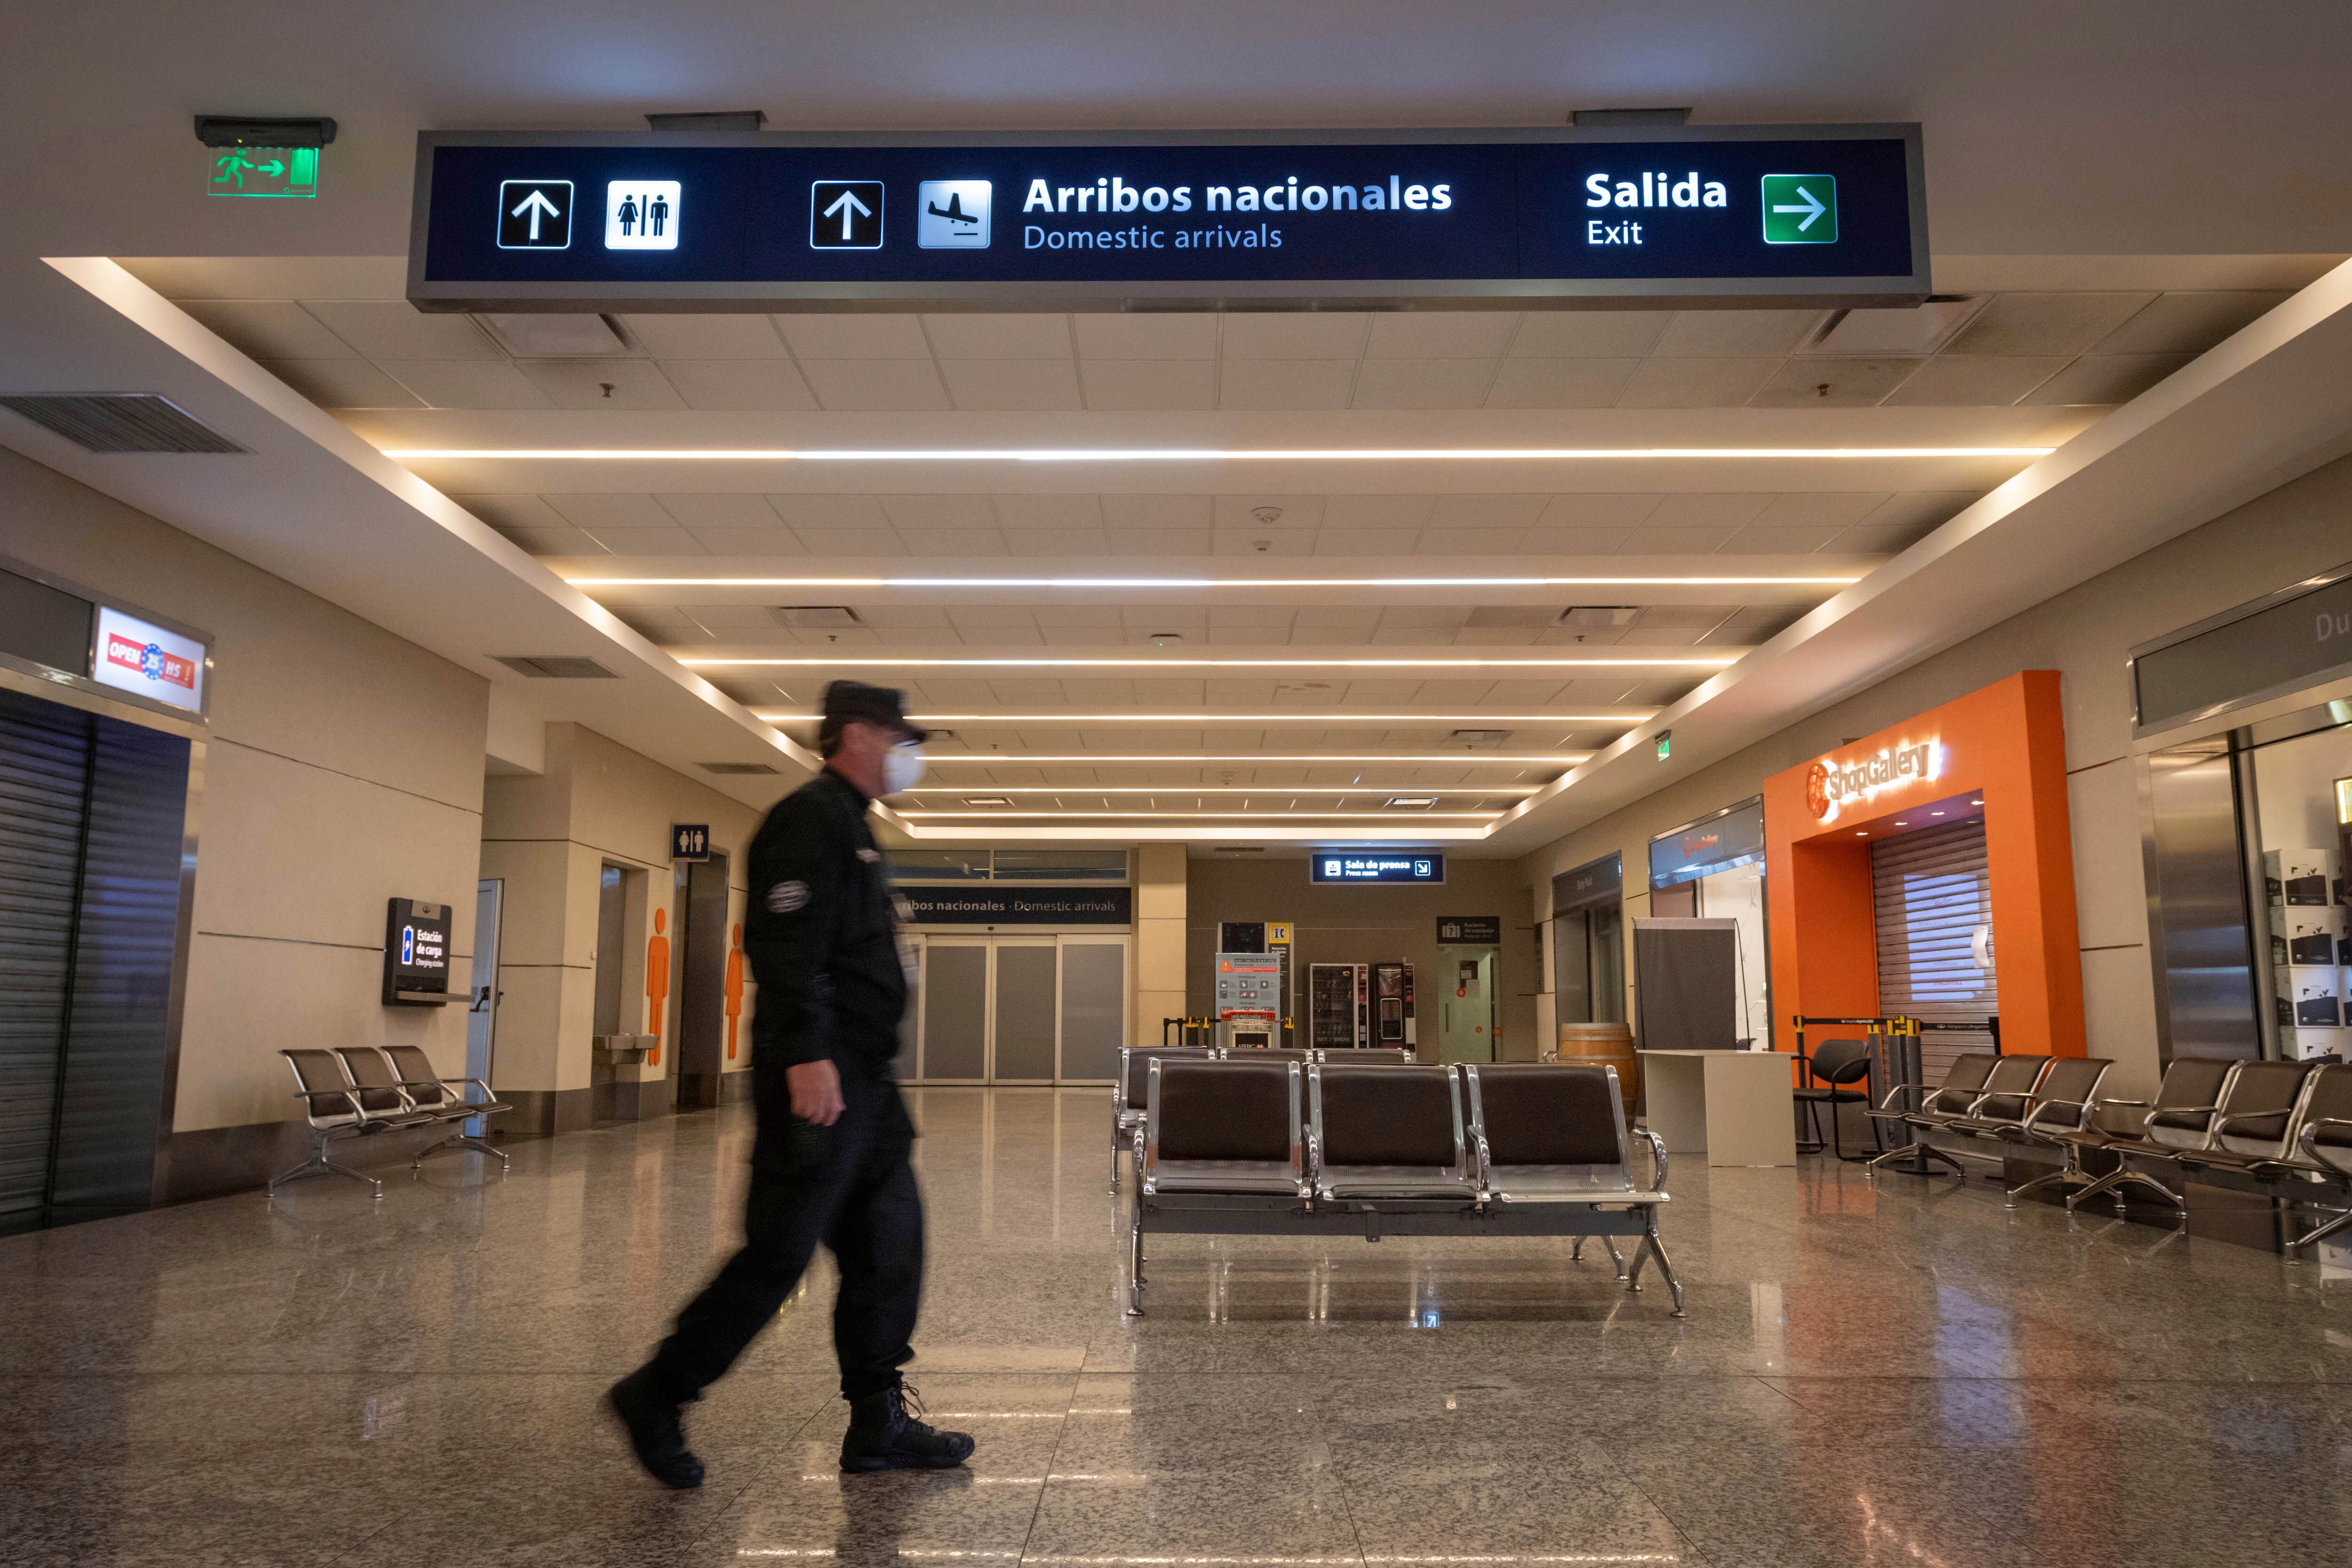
{"points": [[1552, 217]]}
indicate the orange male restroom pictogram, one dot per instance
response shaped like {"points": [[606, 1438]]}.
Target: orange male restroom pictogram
{"points": [[734, 986], [657, 984]]}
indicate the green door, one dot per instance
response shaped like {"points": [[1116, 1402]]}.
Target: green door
{"points": [[1465, 1005]]}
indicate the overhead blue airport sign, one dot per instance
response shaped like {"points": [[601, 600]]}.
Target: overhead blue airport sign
{"points": [[1662, 215], [1376, 866]]}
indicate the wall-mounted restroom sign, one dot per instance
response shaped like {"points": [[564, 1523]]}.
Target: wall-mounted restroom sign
{"points": [[534, 215], [642, 215]]}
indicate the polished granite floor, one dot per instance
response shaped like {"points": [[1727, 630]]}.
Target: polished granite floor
{"points": [[1899, 1372]]}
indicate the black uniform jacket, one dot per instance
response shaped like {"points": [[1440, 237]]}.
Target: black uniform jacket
{"points": [[821, 936]]}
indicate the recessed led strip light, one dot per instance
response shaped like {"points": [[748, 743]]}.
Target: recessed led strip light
{"points": [[1179, 453], [1326, 759], [1219, 789], [1705, 661], [1838, 581], [1214, 815], [1327, 718]]}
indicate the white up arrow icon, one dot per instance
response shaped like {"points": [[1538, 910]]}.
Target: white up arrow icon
{"points": [[538, 206], [1811, 209], [843, 204]]}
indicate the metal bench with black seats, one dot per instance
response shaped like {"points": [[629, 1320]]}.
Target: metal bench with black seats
{"points": [[340, 1110], [1385, 1150], [2025, 1125], [2250, 1142], [2324, 1143], [2007, 1093], [1963, 1081], [2176, 1119], [1127, 1096], [446, 1098]]}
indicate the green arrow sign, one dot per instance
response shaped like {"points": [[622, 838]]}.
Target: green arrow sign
{"points": [[1800, 209], [264, 172]]}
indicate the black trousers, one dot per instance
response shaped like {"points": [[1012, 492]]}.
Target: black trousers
{"points": [[850, 1186]]}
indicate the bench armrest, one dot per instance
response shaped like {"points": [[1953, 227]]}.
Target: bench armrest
{"points": [[1657, 1157], [349, 1097], [2081, 1107], [2310, 1148], [2221, 1122]]}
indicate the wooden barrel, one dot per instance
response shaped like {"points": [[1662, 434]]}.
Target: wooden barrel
{"points": [[1609, 1044]]}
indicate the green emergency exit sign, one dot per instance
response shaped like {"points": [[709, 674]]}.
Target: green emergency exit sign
{"points": [[263, 171], [1800, 209]]}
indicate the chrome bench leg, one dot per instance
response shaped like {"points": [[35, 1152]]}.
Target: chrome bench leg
{"points": [[459, 1141], [1658, 1250], [2115, 1181], [2340, 1222], [1135, 1260], [2037, 1182], [318, 1164]]}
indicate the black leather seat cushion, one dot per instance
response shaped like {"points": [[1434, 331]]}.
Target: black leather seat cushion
{"points": [[1539, 1114], [1225, 1110], [1387, 1115]]}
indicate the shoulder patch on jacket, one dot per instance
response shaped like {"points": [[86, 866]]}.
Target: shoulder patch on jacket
{"points": [[786, 897], [869, 855]]}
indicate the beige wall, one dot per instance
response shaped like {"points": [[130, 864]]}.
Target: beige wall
{"points": [[2084, 633], [548, 837], [1364, 925], [1160, 905], [344, 768]]}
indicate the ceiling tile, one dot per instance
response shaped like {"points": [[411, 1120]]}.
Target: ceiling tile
{"points": [[1588, 334], [953, 541], [829, 510], [887, 385], [902, 617], [513, 511], [1825, 382], [820, 540], [555, 541], [1560, 383], [1678, 541], [342, 382], [1696, 383], [1306, 335], [970, 618], [1600, 510], [1442, 334], [1975, 381], [1267, 541], [1048, 511], [1724, 334], [748, 384], [269, 329], [1870, 539], [730, 618], [2106, 378], [717, 510], [1056, 541], [1158, 541], [666, 336], [1487, 512], [1240, 512], [1575, 541], [939, 512], [2186, 323], [2045, 323], [1149, 384], [1439, 541], [1424, 383], [1822, 509], [647, 541], [983, 335], [602, 510], [1329, 540], [1146, 335], [1010, 385], [853, 336], [770, 541], [1378, 512], [1760, 538], [1926, 508], [394, 329], [468, 384], [1157, 511], [1701, 510], [603, 384], [1285, 383]]}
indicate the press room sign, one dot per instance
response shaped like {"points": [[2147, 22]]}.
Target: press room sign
{"points": [[1033, 906], [1831, 786], [1818, 215]]}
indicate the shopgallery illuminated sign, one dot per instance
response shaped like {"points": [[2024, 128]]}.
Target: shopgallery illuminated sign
{"points": [[1829, 787], [1713, 215]]}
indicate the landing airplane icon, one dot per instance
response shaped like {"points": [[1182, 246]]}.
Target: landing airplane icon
{"points": [[953, 211]]}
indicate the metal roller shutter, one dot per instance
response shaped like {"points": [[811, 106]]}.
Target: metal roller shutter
{"points": [[1932, 891], [44, 797]]}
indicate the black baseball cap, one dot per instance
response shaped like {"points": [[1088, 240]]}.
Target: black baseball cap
{"points": [[845, 701]]}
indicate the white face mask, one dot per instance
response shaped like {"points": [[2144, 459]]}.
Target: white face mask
{"points": [[902, 765]]}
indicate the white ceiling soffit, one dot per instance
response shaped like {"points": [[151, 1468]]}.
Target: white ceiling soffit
{"points": [[2264, 406], [322, 508]]}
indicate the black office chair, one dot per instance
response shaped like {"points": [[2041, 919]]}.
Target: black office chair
{"points": [[1832, 1066]]}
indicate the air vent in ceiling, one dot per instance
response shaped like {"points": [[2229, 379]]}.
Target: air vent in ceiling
{"points": [[1599, 617], [120, 422], [1480, 737], [815, 617], [554, 666], [556, 335], [735, 769]]}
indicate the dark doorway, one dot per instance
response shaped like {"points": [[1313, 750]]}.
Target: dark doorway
{"points": [[700, 1058]]}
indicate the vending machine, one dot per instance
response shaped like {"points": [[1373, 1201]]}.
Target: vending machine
{"points": [[1339, 1005], [1392, 1019]]}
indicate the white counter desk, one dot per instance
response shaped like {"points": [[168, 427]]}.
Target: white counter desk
{"points": [[1733, 1107]]}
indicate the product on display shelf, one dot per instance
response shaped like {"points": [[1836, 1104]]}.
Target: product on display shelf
{"points": [[2299, 876], [2306, 934], [2307, 997], [2315, 1045]]}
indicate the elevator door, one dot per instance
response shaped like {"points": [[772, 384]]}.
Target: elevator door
{"points": [[1015, 1010], [1932, 892]]}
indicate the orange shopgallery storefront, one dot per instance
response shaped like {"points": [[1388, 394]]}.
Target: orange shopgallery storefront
{"points": [[1999, 754]]}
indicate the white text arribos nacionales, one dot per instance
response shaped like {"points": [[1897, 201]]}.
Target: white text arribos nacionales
{"points": [[1114, 195]]}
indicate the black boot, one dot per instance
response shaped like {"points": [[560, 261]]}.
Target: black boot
{"points": [[883, 1437], [653, 1432]]}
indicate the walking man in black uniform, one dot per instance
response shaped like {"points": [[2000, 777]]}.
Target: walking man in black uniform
{"points": [[831, 1163]]}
